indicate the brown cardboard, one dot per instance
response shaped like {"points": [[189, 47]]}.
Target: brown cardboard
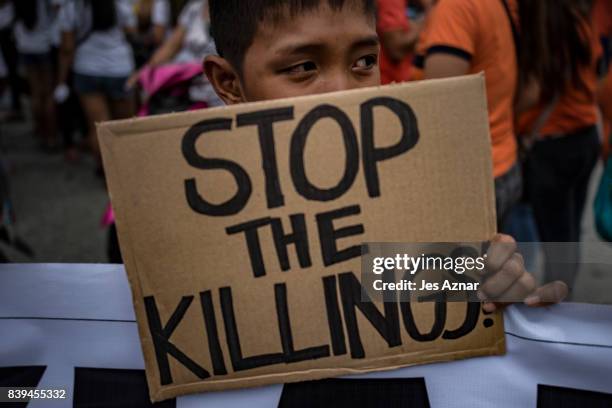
{"points": [[440, 190]]}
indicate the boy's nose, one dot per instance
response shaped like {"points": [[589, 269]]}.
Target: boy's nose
{"points": [[336, 81]]}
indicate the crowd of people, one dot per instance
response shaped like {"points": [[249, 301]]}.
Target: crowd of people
{"points": [[81, 61], [550, 58], [546, 64], [548, 81]]}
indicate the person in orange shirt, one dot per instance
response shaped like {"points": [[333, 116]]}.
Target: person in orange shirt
{"points": [[563, 60], [470, 36], [398, 36], [418, 61]]}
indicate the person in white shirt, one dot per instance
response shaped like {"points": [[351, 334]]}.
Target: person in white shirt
{"points": [[32, 34], [94, 45], [70, 116], [190, 42], [154, 19]]}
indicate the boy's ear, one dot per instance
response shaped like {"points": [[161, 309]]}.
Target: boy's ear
{"points": [[224, 79]]}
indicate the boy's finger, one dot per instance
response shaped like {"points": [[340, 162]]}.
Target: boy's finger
{"points": [[519, 290], [489, 307], [502, 280], [502, 247], [548, 294]]}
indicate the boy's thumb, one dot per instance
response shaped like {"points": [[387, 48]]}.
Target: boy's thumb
{"points": [[548, 294]]}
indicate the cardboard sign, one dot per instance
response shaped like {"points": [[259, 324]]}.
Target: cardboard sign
{"points": [[241, 229]]}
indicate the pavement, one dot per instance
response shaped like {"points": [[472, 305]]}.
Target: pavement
{"points": [[59, 205]]}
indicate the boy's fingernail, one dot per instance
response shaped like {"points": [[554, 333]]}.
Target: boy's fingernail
{"points": [[532, 300], [489, 307]]}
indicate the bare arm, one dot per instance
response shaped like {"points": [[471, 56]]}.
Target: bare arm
{"points": [[159, 33], [442, 65], [163, 54], [169, 48]]}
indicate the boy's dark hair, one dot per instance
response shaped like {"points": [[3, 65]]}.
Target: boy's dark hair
{"points": [[235, 22]]}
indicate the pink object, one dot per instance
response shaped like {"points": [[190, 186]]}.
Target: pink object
{"points": [[109, 216], [155, 79]]}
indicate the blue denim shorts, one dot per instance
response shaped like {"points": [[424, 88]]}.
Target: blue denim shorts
{"points": [[112, 87]]}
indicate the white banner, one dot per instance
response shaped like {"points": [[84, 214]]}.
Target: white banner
{"points": [[72, 327]]}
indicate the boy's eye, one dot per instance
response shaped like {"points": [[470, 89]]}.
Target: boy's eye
{"points": [[366, 63], [301, 68]]}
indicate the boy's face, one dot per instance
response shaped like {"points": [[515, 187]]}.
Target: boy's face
{"points": [[317, 51]]}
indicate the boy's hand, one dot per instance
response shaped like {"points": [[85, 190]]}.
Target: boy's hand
{"points": [[506, 280]]}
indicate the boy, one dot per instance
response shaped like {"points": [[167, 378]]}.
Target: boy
{"points": [[276, 49]]}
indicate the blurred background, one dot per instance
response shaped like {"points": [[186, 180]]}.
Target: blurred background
{"points": [[67, 64]]}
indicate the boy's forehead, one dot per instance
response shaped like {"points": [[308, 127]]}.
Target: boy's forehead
{"points": [[286, 25]]}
